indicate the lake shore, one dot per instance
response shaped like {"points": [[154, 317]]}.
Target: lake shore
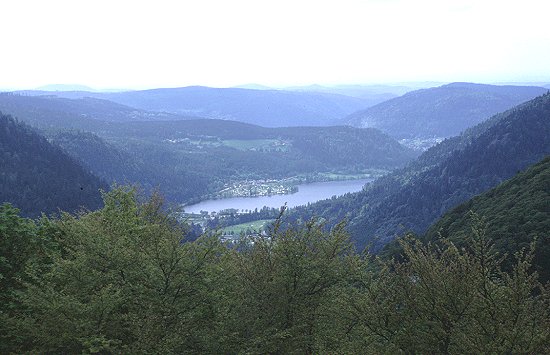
{"points": [[307, 193]]}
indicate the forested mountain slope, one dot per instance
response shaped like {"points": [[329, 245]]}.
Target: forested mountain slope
{"points": [[445, 176], [189, 159], [515, 212], [442, 111], [336, 146], [146, 165], [111, 121], [36, 176], [51, 111], [269, 108]]}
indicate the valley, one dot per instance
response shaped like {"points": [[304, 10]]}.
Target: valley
{"points": [[302, 194], [191, 159], [275, 177], [150, 203]]}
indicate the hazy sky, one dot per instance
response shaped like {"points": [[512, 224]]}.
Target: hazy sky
{"points": [[160, 43]]}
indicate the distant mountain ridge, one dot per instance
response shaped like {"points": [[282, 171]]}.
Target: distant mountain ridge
{"points": [[65, 87], [442, 111], [448, 174], [372, 94], [189, 159], [51, 110], [268, 108]]}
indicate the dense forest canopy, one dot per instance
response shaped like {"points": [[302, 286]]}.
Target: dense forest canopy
{"points": [[122, 279], [39, 177], [411, 199], [516, 213]]}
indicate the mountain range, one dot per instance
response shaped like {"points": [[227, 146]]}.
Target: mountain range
{"points": [[188, 159], [413, 198], [427, 113], [441, 111], [52, 112], [269, 108]]}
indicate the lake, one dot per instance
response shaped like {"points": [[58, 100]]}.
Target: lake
{"points": [[306, 193]]}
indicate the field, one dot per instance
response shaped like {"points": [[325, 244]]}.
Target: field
{"points": [[256, 226], [257, 144]]}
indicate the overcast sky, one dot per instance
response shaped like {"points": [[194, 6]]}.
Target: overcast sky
{"points": [[144, 44]]}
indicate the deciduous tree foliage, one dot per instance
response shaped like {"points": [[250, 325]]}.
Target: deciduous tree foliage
{"points": [[123, 279]]}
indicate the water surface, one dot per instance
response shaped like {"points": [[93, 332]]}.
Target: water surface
{"points": [[306, 193]]}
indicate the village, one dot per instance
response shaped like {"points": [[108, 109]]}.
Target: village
{"points": [[249, 188]]}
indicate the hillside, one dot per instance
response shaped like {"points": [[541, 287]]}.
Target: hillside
{"points": [[190, 159], [51, 111], [86, 283], [36, 176], [442, 111], [515, 211], [448, 174], [269, 108], [148, 166], [337, 146]]}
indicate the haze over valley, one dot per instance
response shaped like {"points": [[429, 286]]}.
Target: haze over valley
{"points": [[301, 177]]}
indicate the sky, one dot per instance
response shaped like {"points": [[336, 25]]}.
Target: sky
{"points": [[135, 44]]}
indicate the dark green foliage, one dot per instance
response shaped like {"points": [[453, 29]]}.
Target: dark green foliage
{"points": [[120, 280], [281, 284], [17, 238], [443, 111], [445, 300], [450, 173], [18, 244], [36, 176], [517, 211]]}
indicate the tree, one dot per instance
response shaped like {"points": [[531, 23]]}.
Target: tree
{"points": [[280, 284], [17, 245], [442, 299], [121, 280]]}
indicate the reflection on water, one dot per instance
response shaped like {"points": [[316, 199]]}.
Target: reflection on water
{"points": [[306, 193]]}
